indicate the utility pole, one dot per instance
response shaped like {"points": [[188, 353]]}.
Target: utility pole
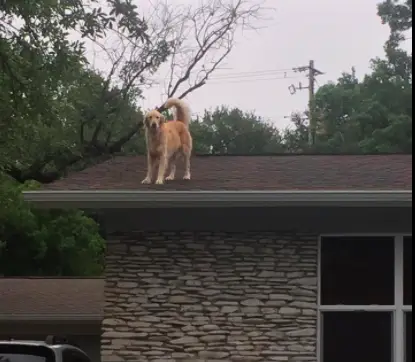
{"points": [[312, 74]]}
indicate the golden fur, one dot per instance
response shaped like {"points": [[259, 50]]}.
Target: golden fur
{"points": [[166, 141]]}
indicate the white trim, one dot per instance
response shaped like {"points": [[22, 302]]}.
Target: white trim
{"points": [[398, 310], [399, 344], [320, 323], [200, 198], [357, 308], [394, 346], [405, 331]]}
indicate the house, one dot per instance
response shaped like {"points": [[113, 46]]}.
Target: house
{"points": [[296, 258], [32, 308]]}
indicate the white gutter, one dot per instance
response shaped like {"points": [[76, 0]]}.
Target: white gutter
{"points": [[201, 199], [50, 317]]}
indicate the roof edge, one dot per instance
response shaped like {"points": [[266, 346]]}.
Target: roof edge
{"points": [[35, 277], [51, 317], [107, 199]]}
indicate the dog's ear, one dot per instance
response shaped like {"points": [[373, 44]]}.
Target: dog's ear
{"points": [[162, 118]]}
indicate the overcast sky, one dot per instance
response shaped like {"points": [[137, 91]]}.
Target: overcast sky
{"points": [[337, 34]]}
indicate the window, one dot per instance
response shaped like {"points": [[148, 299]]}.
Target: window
{"points": [[73, 355], [365, 299], [357, 337], [357, 271], [17, 357], [24, 353]]}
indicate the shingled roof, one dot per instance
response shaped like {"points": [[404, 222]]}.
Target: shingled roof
{"points": [[286, 172], [51, 297]]}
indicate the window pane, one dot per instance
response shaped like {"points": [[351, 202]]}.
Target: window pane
{"points": [[408, 337], [357, 270], [22, 353], [407, 271], [357, 337]]}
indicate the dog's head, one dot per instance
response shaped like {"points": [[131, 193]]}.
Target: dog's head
{"points": [[154, 120]]}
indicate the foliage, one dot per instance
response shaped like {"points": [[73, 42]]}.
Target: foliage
{"points": [[371, 116], [42, 242], [232, 131], [39, 62], [375, 114], [295, 138], [398, 15]]}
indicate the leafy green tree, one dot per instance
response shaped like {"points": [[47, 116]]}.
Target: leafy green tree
{"points": [[86, 133], [374, 114], [43, 242], [232, 131], [38, 61], [397, 14], [295, 138]]}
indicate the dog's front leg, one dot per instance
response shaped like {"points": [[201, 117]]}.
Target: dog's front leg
{"points": [[162, 168], [150, 168]]}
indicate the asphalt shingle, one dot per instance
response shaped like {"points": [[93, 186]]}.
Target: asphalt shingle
{"points": [[51, 296], [286, 172]]}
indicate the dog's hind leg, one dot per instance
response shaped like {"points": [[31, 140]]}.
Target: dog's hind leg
{"points": [[172, 163], [187, 152]]}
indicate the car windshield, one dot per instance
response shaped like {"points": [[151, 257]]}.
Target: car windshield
{"points": [[19, 353]]}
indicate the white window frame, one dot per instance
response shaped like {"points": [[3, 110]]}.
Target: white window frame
{"points": [[397, 310]]}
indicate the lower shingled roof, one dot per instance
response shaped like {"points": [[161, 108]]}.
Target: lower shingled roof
{"points": [[283, 172], [51, 296]]}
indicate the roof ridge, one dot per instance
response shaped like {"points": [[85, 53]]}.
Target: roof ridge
{"points": [[304, 154]]}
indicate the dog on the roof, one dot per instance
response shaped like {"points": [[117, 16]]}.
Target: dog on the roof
{"points": [[167, 141]]}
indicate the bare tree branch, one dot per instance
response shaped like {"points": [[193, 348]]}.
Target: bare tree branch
{"points": [[117, 61], [133, 63], [213, 25]]}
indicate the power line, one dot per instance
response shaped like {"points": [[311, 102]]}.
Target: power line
{"points": [[253, 80], [312, 74], [252, 73], [239, 75]]}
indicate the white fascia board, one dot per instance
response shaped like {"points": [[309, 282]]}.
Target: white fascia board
{"points": [[49, 317], [106, 199]]}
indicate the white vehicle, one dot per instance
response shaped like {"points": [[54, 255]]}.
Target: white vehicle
{"points": [[53, 349]]}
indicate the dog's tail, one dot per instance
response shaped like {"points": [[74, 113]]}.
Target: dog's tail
{"points": [[182, 113]]}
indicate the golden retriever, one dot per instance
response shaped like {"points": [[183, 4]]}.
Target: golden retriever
{"points": [[166, 141]]}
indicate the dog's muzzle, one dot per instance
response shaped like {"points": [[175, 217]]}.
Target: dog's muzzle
{"points": [[153, 126]]}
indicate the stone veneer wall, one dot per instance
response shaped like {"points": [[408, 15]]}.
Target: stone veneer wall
{"points": [[210, 297]]}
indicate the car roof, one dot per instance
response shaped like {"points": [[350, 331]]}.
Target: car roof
{"points": [[39, 344], [25, 342]]}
